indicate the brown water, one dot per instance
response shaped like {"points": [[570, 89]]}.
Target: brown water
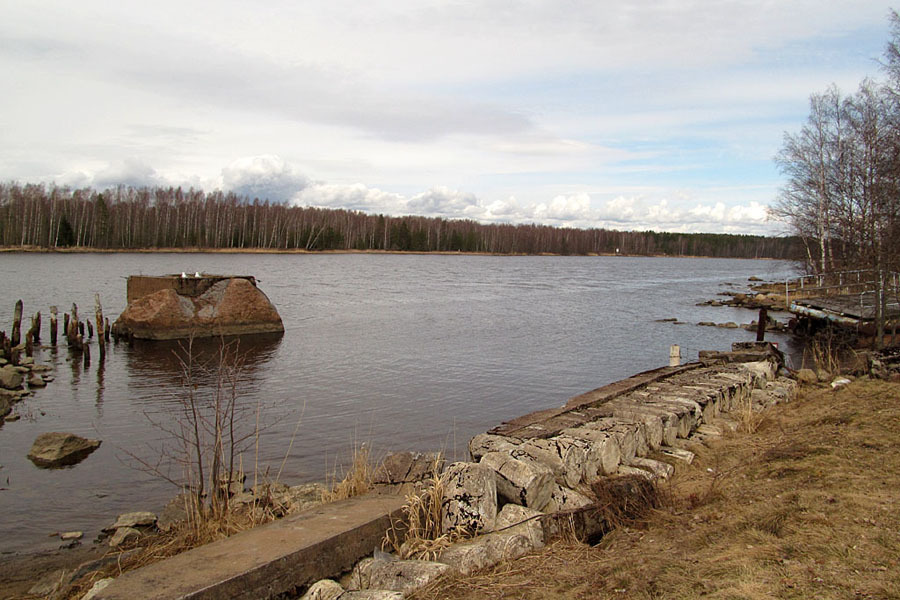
{"points": [[400, 352]]}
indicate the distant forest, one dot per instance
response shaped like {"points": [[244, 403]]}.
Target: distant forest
{"points": [[127, 218]]}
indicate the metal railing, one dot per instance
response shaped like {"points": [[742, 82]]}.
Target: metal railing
{"points": [[841, 283]]}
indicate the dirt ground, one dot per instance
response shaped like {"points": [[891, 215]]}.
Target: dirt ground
{"points": [[806, 506]]}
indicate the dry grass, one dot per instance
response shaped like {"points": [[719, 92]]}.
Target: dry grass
{"points": [[422, 535], [807, 507], [356, 481]]}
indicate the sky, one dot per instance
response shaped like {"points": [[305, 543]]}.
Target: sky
{"points": [[626, 114]]}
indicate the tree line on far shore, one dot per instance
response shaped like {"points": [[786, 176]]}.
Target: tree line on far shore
{"points": [[127, 218]]}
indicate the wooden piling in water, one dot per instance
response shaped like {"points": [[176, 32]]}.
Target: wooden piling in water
{"points": [[106, 330], [761, 324], [66, 325], [16, 335], [101, 335], [53, 325], [36, 327], [29, 343], [90, 328], [86, 351]]}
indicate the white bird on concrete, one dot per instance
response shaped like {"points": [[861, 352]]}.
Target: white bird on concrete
{"points": [[196, 273], [183, 275]]}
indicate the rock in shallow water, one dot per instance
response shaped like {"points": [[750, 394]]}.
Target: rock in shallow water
{"points": [[58, 449]]}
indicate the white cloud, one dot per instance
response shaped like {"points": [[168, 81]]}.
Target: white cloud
{"points": [[441, 201], [264, 177], [352, 197]]}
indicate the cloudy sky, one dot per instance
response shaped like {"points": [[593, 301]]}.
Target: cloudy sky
{"points": [[626, 114]]}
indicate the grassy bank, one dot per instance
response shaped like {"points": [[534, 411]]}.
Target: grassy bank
{"points": [[808, 506]]}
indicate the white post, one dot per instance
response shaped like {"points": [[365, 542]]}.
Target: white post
{"points": [[674, 355]]}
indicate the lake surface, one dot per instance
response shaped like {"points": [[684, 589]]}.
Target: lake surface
{"points": [[402, 352]]}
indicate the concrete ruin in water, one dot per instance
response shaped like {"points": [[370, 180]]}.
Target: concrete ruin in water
{"points": [[177, 306]]}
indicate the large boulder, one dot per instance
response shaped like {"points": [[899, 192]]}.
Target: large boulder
{"points": [[58, 449], [229, 306]]}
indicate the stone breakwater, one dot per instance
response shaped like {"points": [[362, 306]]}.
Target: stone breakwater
{"points": [[527, 481]]}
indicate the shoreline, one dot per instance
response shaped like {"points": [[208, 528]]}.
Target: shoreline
{"points": [[200, 250]]}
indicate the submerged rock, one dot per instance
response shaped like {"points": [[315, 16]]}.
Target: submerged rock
{"points": [[57, 449]]}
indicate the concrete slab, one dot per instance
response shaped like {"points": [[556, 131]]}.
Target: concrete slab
{"points": [[268, 560]]}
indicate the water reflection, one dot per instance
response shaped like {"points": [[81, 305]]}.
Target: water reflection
{"points": [[162, 364]]}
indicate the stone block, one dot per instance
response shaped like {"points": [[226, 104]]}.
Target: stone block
{"points": [[470, 498], [395, 575], [526, 483], [513, 518], [486, 551]]}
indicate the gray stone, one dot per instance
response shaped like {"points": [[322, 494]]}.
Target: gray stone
{"points": [[175, 511], [395, 575], [135, 519], [571, 458], [763, 371], [408, 467], [10, 378], [592, 466], [566, 499], [658, 468], [486, 551], [470, 498], [604, 444], [626, 470], [324, 589], [123, 535], [513, 518], [483, 443], [98, 586], [372, 595], [71, 535], [57, 449], [520, 482], [679, 453], [36, 381]]}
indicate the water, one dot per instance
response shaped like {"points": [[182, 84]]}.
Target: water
{"points": [[397, 351]]}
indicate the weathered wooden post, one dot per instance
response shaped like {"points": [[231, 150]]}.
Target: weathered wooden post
{"points": [[36, 327], [86, 350], [29, 343], [101, 336], [5, 346], [674, 355], [106, 329], [90, 328], [53, 325], [16, 336], [81, 328], [761, 324], [66, 325]]}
